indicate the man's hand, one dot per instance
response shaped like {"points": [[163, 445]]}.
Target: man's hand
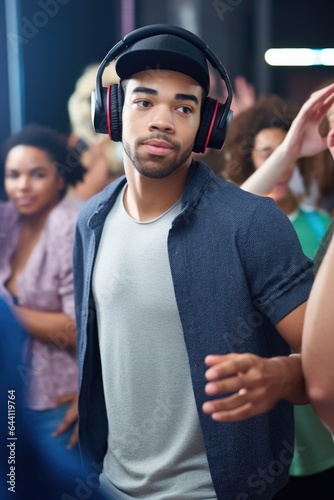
{"points": [[70, 418], [256, 384]]}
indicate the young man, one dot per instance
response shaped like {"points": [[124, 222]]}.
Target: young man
{"points": [[188, 300]]}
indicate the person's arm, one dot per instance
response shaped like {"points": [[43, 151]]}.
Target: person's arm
{"points": [[303, 139], [257, 383], [318, 341], [50, 327]]}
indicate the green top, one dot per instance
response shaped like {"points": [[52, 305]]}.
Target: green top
{"points": [[323, 246], [310, 226]]}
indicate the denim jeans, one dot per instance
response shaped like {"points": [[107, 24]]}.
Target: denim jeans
{"points": [[43, 423]]}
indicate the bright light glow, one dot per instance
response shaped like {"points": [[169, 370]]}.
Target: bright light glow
{"points": [[327, 57], [299, 57]]}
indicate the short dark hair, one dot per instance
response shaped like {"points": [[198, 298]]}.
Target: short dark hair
{"points": [[54, 144]]}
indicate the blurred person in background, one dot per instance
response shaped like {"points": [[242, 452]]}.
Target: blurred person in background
{"points": [[27, 472], [254, 136], [101, 157], [318, 338], [36, 280]]}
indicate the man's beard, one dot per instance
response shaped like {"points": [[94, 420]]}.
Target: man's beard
{"points": [[156, 166]]}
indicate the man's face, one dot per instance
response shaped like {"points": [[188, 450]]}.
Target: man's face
{"points": [[161, 116]]}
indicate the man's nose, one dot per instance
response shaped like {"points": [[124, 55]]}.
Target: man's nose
{"points": [[162, 120]]}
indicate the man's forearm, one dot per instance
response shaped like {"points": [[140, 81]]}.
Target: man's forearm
{"points": [[293, 380]]}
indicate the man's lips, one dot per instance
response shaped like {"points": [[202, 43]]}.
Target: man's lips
{"points": [[158, 147]]}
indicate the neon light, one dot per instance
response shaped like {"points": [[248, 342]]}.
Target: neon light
{"points": [[327, 57], [300, 57]]}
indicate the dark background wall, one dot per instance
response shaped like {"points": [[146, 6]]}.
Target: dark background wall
{"points": [[4, 109], [302, 24], [57, 46], [57, 42]]}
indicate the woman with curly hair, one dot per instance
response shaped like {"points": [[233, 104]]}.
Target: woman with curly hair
{"points": [[253, 136], [37, 230]]}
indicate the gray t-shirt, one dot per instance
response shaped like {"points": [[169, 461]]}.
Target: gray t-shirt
{"points": [[155, 444]]}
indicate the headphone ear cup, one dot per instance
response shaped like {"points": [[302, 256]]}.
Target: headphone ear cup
{"points": [[115, 112], [220, 127], [212, 130], [108, 120], [99, 116], [207, 115]]}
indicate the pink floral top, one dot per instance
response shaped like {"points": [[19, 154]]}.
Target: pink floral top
{"points": [[46, 284]]}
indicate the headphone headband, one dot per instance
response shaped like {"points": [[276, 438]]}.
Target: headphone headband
{"points": [[163, 29]]}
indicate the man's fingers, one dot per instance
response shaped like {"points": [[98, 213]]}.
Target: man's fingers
{"points": [[239, 406], [223, 404], [239, 414], [231, 384], [228, 366], [213, 359]]}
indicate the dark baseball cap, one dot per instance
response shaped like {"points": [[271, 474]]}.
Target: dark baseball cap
{"points": [[164, 52]]}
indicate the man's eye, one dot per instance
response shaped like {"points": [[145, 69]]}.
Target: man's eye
{"points": [[185, 109], [143, 103]]}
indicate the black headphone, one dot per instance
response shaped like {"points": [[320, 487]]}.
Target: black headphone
{"points": [[107, 102]]}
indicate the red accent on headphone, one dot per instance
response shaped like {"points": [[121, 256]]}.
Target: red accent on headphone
{"points": [[211, 126], [108, 112]]}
